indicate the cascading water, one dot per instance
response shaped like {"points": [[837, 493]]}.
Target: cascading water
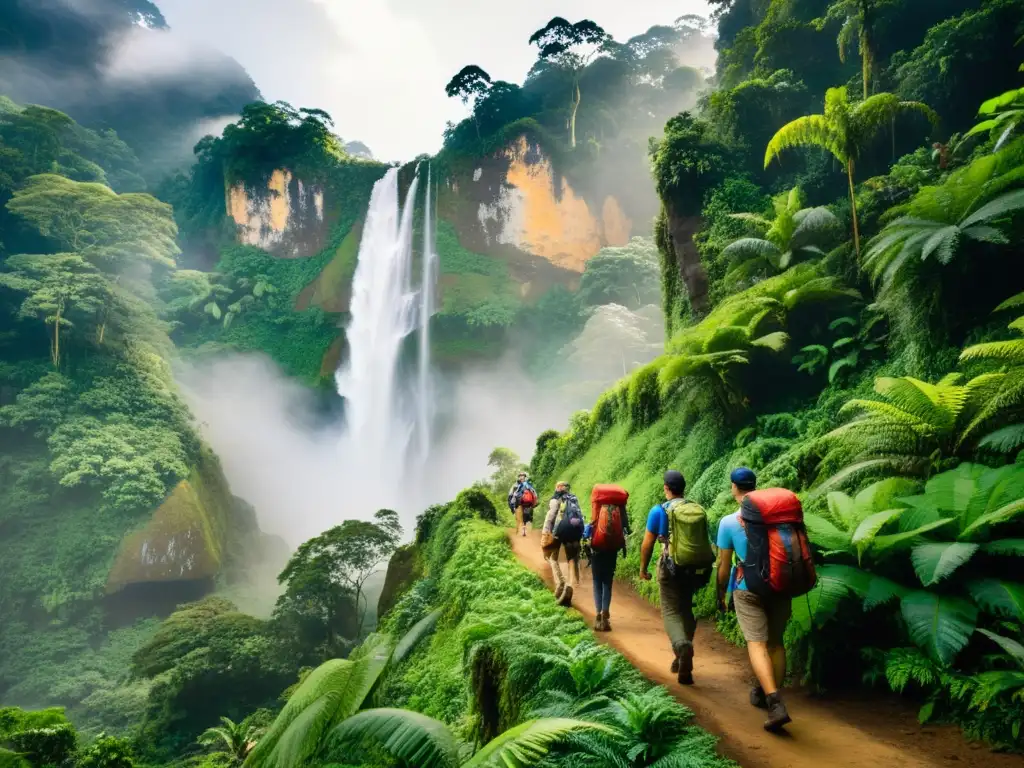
{"points": [[378, 422], [424, 395]]}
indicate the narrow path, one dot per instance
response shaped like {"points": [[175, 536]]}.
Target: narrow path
{"points": [[825, 733]]}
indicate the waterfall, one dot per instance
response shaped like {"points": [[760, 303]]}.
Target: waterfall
{"points": [[424, 395], [378, 421]]}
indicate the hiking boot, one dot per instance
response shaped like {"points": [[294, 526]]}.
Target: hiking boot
{"points": [[685, 674], [757, 697], [778, 717], [599, 622], [675, 665], [558, 591], [566, 597], [607, 623]]}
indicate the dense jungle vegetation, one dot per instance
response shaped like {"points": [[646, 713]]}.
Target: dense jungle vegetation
{"points": [[840, 216]]}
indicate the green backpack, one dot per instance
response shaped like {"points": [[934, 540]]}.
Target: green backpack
{"points": [[689, 545]]}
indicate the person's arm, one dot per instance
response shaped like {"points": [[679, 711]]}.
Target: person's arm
{"points": [[725, 548], [549, 519], [724, 572], [646, 550]]}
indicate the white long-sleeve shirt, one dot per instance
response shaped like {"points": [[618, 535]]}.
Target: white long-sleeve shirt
{"points": [[549, 520]]}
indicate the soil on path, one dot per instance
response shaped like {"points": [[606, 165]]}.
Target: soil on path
{"points": [[825, 732]]}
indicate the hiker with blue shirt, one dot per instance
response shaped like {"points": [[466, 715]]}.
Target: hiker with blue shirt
{"points": [[762, 619], [683, 568]]}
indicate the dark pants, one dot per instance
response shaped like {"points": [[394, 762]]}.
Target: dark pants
{"points": [[676, 593], [602, 564]]}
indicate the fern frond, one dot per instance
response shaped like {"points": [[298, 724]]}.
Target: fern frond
{"points": [[810, 130]]}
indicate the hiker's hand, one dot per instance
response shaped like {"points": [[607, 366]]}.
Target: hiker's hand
{"points": [[645, 576], [722, 606]]}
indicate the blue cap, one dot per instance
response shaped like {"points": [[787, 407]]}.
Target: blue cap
{"points": [[744, 478]]}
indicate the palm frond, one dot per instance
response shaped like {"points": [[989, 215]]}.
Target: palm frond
{"points": [[1002, 206], [410, 737], [814, 226], [526, 745], [412, 638], [935, 562], [1005, 439], [810, 130]]}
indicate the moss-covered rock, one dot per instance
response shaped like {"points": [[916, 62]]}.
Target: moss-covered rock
{"points": [[186, 537], [404, 569]]}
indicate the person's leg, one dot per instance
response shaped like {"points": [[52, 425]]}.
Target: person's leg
{"points": [[597, 570], [609, 579], [673, 596], [551, 555], [754, 623], [688, 587], [778, 611]]}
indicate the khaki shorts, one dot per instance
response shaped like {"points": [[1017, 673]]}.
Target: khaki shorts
{"points": [[762, 619]]}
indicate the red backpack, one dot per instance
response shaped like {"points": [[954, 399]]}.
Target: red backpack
{"points": [[529, 498], [608, 503], [778, 558]]}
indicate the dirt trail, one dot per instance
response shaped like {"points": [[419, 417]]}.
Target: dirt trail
{"points": [[825, 733]]}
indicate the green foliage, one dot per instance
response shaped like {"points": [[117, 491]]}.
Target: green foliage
{"points": [[106, 752], [626, 276], [323, 602]]}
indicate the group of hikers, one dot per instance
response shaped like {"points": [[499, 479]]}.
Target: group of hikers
{"points": [[765, 537]]}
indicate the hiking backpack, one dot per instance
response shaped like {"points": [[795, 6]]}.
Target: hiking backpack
{"points": [[528, 498], [778, 558], [570, 528], [608, 503], [689, 544]]}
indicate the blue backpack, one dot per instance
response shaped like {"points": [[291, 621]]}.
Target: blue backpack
{"points": [[570, 527]]}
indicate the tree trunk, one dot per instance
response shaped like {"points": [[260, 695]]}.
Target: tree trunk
{"points": [[853, 208], [681, 230], [55, 352], [572, 117]]}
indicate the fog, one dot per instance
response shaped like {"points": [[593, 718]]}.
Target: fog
{"points": [[279, 445]]}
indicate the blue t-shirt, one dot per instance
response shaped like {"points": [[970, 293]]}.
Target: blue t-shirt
{"points": [[732, 536], [657, 521]]}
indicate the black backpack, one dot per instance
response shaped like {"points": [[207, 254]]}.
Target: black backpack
{"points": [[570, 528]]}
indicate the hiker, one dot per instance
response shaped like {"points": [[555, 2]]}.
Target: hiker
{"points": [[684, 567], [522, 498], [768, 538], [563, 530], [607, 531]]}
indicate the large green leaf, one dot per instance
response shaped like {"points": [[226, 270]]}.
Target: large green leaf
{"points": [[940, 625], [869, 528], [1012, 647], [881, 591], [332, 692], [897, 541], [934, 562], [842, 508], [824, 534], [835, 584], [421, 629], [1002, 598], [526, 745], [1004, 514], [410, 737], [1008, 547]]}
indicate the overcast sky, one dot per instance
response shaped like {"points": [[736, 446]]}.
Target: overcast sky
{"points": [[380, 66]]}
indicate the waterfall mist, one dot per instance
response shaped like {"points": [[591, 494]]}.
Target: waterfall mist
{"points": [[280, 451]]}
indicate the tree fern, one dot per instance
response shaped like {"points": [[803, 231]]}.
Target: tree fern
{"points": [[844, 130]]}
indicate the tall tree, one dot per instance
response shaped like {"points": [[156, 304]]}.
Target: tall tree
{"points": [[859, 18], [470, 83], [570, 47], [844, 131], [326, 575], [60, 289]]}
